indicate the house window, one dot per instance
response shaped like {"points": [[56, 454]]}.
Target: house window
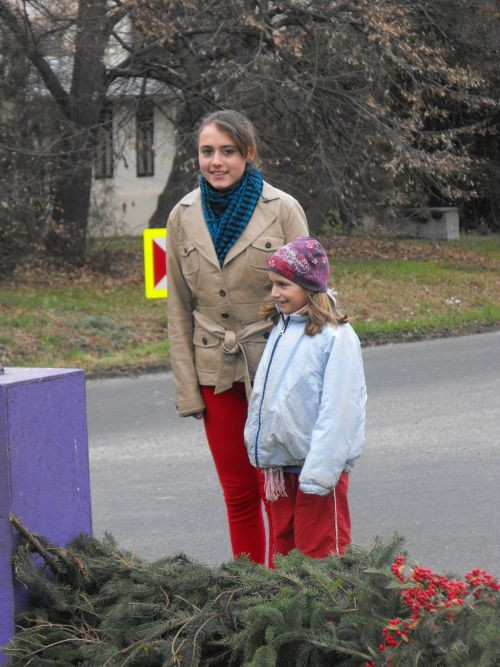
{"points": [[103, 161], [144, 138]]}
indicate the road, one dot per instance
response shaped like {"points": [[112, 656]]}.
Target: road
{"points": [[430, 470]]}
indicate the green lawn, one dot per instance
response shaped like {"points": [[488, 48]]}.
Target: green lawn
{"points": [[391, 297], [98, 318]]}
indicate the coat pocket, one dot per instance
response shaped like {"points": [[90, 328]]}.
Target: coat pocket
{"points": [[262, 249], [301, 422], [205, 350], [189, 258]]}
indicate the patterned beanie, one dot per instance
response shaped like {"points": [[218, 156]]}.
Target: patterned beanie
{"points": [[303, 261]]}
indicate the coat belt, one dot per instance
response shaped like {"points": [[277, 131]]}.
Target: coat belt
{"points": [[232, 346]]}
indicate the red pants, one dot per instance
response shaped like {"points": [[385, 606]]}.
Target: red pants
{"points": [[242, 484], [316, 525]]}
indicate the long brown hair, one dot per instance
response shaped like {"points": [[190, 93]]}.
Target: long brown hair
{"points": [[238, 127], [320, 309]]}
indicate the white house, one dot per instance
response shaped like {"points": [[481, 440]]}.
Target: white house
{"points": [[132, 164], [135, 152]]}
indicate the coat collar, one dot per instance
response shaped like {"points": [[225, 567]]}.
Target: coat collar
{"points": [[192, 214]]}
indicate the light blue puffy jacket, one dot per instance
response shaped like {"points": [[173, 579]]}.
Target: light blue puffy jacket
{"points": [[308, 403]]}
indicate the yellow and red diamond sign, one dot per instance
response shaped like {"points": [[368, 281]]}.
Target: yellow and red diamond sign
{"points": [[155, 263]]}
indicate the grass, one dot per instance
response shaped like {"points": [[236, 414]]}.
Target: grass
{"points": [[98, 319], [400, 297]]}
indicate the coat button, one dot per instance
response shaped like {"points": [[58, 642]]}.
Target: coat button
{"points": [[222, 292], [268, 244], [204, 341], [225, 315]]}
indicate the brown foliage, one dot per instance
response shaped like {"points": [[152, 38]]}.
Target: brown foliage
{"points": [[359, 103], [356, 103]]}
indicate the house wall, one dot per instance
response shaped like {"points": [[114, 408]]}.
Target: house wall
{"points": [[122, 205]]}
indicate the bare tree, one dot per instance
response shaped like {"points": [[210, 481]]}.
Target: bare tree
{"points": [[23, 157], [81, 32], [358, 102], [470, 30]]}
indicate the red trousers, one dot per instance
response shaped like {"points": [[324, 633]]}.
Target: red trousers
{"points": [[242, 484], [316, 525]]}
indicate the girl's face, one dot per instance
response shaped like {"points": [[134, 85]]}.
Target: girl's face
{"points": [[221, 163], [288, 296]]}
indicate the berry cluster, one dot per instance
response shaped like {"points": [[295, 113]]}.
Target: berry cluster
{"points": [[426, 592]]}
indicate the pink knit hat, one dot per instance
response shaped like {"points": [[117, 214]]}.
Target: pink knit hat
{"points": [[303, 261]]}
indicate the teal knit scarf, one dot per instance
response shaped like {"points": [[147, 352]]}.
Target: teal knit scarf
{"points": [[227, 213]]}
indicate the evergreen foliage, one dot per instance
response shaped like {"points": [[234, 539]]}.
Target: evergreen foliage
{"points": [[105, 607]]}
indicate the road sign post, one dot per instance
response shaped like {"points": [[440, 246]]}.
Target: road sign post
{"points": [[155, 263]]}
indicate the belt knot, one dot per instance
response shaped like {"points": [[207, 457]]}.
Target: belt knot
{"points": [[229, 345]]}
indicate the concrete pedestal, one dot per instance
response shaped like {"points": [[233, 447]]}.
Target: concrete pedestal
{"points": [[44, 470], [442, 225]]}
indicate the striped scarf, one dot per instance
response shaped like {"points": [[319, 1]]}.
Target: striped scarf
{"points": [[227, 213]]}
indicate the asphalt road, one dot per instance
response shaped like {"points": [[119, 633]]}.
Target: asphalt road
{"points": [[430, 471]]}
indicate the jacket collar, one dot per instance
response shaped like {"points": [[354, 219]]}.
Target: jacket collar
{"points": [[293, 317], [192, 214]]}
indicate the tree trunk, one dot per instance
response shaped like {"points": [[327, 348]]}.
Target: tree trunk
{"points": [[180, 181], [68, 237], [182, 177]]}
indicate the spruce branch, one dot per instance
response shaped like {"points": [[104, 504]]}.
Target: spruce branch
{"points": [[126, 650], [36, 544], [114, 609]]}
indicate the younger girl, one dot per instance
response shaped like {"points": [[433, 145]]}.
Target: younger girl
{"points": [[306, 417]]}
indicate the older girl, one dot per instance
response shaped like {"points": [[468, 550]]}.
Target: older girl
{"points": [[220, 237]]}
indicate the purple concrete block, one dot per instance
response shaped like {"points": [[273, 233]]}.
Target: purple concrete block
{"points": [[44, 469]]}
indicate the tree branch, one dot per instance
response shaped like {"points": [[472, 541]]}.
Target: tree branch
{"points": [[21, 528], [21, 34]]}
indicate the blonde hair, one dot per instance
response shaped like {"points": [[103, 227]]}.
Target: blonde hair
{"points": [[238, 127], [319, 310]]}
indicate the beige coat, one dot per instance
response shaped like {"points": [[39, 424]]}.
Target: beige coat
{"points": [[215, 334]]}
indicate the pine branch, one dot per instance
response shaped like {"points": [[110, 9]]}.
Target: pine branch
{"points": [[110, 608], [36, 544]]}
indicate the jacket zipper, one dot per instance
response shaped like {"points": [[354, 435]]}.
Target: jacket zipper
{"points": [[283, 329]]}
